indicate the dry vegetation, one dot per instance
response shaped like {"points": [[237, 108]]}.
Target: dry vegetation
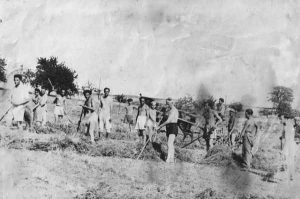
{"points": [[108, 169]]}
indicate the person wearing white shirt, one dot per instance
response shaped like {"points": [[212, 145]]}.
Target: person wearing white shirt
{"points": [[106, 105], [19, 98]]}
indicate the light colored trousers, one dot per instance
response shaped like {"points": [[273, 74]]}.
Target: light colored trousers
{"points": [[247, 151]]}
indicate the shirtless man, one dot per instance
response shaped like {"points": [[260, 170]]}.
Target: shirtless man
{"points": [[151, 121], [88, 116], [248, 134], [221, 109], [171, 129], [231, 125], [105, 115], [141, 119], [129, 113], [210, 117], [59, 109], [19, 98]]}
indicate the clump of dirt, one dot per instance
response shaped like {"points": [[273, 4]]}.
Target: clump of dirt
{"points": [[97, 192], [123, 135], [219, 155], [153, 151], [254, 196], [209, 194], [68, 129], [63, 144], [114, 148], [44, 130], [189, 155], [267, 160]]}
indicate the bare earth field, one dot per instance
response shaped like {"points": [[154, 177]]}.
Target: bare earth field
{"points": [[58, 162]]}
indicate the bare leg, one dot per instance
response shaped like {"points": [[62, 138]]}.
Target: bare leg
{"points": [[144, 137], [171, 150], [91, 131], [55, 118], [151, 132], [19, 124]]}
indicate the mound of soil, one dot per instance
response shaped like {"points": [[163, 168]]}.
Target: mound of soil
{"points": [[209, 194], [219, 155]]}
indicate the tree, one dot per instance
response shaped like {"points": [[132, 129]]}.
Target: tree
{"points": [[237, 106], [2, 70], [60, 76], [282, 98], [31, 76], [185, 103]]}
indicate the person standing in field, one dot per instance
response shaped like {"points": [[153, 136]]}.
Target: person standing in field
{"points": [[289, 145], [36, 101], [231, 125], [221, 109], [129, 109], [105, 115], [59, 109], [248, 134], [89, 116], [19, 98], [43, 105], [151, 121], [171, 129], [141, 119], [28, 115], [210, 116]]}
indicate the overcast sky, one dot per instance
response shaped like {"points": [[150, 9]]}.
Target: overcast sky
{"points": [[161, 48]]}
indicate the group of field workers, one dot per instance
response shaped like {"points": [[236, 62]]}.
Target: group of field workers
{"points": [[29, 106], [96, 119], [146, 124]]}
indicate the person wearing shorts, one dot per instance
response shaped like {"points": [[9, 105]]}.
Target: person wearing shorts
{"points": [[89, 117], [141, 119], [105, 114], [171, 129], [129, 114], [151, 122], [59, 109], [19, 98], [43, 105]]}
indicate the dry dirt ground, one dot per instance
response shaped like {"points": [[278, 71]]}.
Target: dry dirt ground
{"points": [[56, 162]]}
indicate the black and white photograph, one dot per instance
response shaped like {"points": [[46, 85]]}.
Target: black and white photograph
{"points": [[150, 99]]}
